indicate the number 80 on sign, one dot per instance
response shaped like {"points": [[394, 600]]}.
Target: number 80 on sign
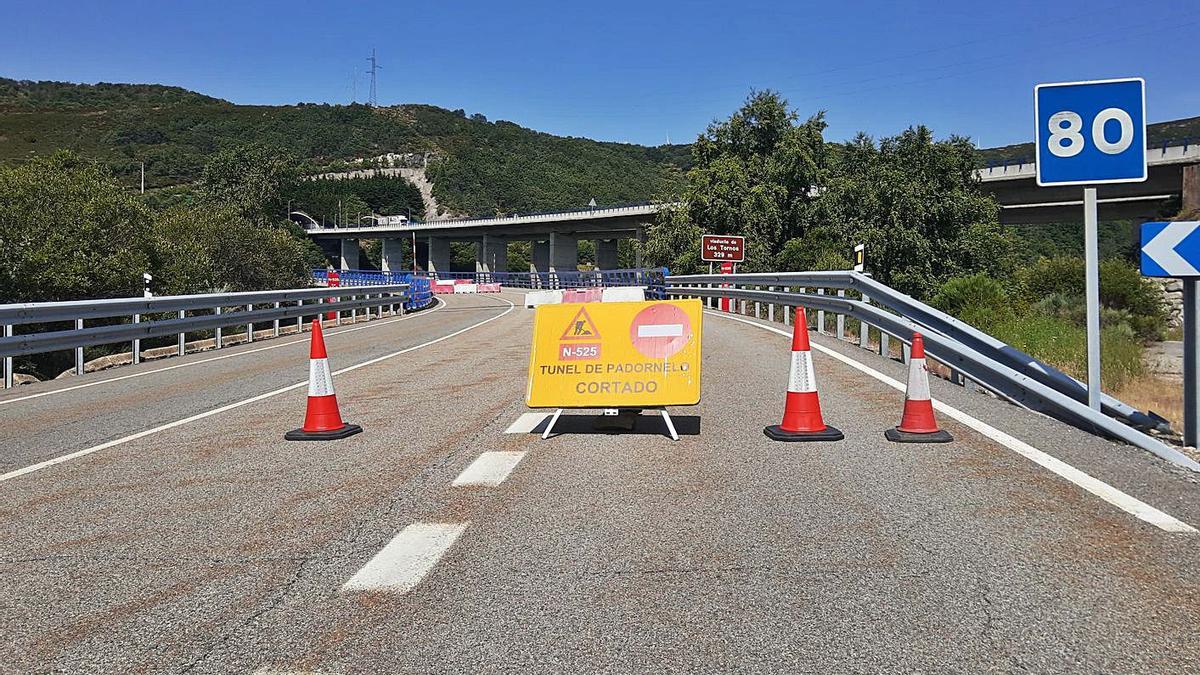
{"points": [[1091, 132]]}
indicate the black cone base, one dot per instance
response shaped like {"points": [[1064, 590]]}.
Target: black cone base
{"points": [[776, 433], [896, 436], [335, 434]]}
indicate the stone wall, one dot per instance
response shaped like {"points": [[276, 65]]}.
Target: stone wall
{"points": [[1172, 294]]}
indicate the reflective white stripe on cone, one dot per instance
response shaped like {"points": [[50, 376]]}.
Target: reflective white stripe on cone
{"points": [[917, 424]]}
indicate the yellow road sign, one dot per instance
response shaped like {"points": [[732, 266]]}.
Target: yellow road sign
{"points": [[615, 355]]}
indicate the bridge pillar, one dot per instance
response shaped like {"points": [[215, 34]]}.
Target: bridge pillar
{"points": [[439, 254], [606, 254], [564, 253], [540, 260], [391, 258], [1191, 188], [637, 250], [491, 255], [350, 254], [423, 255]]}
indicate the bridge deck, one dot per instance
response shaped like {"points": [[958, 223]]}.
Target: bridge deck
{"points": [[215, 546]]}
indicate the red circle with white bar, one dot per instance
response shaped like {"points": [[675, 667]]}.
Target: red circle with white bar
{"points": [[660, 331]]}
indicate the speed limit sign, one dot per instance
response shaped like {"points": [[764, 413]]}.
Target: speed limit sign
{"points": [[1091, 132]]}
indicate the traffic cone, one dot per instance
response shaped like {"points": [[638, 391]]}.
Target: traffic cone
{"points": [[918, 424], [322, 421], [802, 411]]}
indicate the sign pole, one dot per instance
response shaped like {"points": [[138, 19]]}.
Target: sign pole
{"points": [[1092, 271], [1191, 359]]}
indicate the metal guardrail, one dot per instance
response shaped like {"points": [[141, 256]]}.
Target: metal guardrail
{"points": [[248, 309], [652, 278], [979, 357]]}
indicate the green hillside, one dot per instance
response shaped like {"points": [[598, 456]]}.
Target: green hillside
{"points": [[482, 167]]}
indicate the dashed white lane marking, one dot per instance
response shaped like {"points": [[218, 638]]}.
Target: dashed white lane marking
{"points": [[253, 399], [330, 334], [1097, 487], [490, 468], [407, 559], [526, 423]]}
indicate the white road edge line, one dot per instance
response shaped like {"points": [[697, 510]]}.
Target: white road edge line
{"points": [[490, 468], [254, 399], [526, 423], [1108, 493], [407, 559], [328, 334]]}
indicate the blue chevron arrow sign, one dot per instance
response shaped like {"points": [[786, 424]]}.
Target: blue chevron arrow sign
{"points": [[1171, 249]]}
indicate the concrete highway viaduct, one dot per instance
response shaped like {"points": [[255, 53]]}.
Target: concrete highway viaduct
{"points": [[555, 238], [1174, 181]]}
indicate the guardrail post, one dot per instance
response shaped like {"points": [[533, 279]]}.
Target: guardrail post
{"points": [[250, 326], [181, 339], [8, 367], [137, 343], [885, 349], [864, 330], [218, 341], [353, 311], [821, 314], [905, 350], [276, 326], [756, 305], [79, 350], [300, 319], [841, 318], [771, 306]]}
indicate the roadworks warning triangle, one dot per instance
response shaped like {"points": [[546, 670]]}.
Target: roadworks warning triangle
{"points": [[581, 327]]}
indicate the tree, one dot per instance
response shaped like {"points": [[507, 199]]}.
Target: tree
{"points": [[251, 178], [753, 175], [916, 204], [69, 231]]}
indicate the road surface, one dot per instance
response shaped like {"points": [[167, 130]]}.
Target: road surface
{"points": [[140, 531]]}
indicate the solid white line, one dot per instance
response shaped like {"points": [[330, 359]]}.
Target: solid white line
{"points": [[1103, 490], [407, 559], [328, 334], [526, 423], [490, 468], [254, 399]]}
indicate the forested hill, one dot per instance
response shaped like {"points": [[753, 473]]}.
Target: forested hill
{"points": [[484, 167]]}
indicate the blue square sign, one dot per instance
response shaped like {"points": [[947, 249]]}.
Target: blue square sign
{"points": [[1091, 132]]}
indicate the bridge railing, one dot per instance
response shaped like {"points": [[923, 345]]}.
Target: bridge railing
{"points": [[60, 326], [974, 356], [651, 278]]}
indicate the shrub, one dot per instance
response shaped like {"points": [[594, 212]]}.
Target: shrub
{"points": [[1063, 345], [978, 300], [1122, 289]]}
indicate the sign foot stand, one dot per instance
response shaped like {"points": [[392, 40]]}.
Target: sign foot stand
{"points": [[550, 426], [663, 411]]}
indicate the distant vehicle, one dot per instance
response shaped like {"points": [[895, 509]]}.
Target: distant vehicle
{"points": [[386, 220]]}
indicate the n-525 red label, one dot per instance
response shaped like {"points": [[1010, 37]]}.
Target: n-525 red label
{"points": [[578, 352]]}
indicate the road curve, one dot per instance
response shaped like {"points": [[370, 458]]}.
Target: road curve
{"points": [[217, 547]]}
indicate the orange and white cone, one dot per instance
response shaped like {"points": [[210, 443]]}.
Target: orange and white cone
{"points": [[802, 412], [918, 425], [322, 421]]}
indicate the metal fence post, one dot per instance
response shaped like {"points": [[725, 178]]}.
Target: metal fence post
{"points": [[276, 326], [137, 343], [8, 367], [864, 330], [841, 318], [181, 339], [820, 314], [250, 326], [218, 341], [79, 350]]}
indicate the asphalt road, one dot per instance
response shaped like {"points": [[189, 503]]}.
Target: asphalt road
{"points": [[214, 546]]}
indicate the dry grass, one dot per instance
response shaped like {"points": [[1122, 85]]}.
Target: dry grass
{"points": [[1159, 393]]}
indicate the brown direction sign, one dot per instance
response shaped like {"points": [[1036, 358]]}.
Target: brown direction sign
{"points": [[722, 247]]}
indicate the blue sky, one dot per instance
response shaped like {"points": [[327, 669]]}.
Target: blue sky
{"points": [[630, 71]]}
